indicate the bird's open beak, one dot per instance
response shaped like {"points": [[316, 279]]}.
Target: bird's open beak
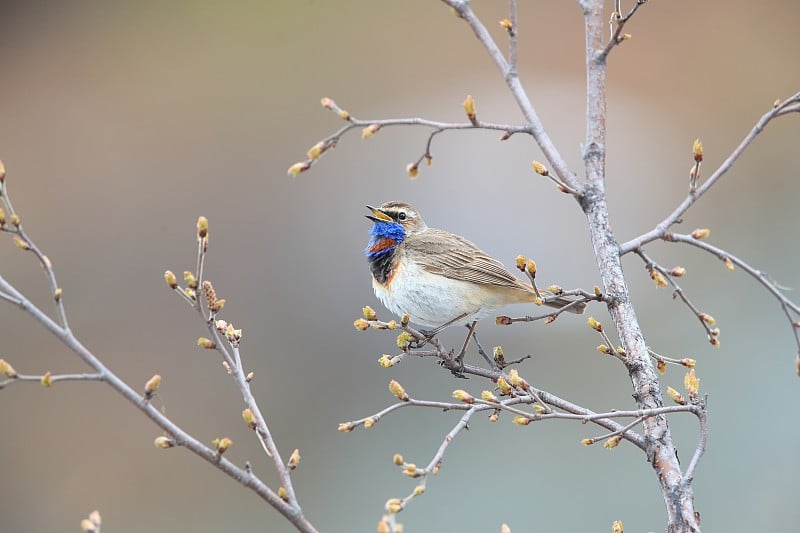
{"points": [[378, 215]]}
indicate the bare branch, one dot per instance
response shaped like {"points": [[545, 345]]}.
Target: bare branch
{"points": [[790, 308], [617, 24], [47, 379], [702, 418], [513, 35], [373, 126], [174, 434], [705, 319], [537, 130], [25, 242], [779, 109]]}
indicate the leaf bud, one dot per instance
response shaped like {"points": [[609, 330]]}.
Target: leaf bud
{"points": [[222, 444], [299, 167], [503, 385], [163, 442], [249, 418], [488, 396], [676, 396], [708, 319], [697, 150], [190, 280], [677, 272], [463, 396], [7, 370], [398, 390], [370, 130], [515, 379], [152, 385], [404, 339], [20, 243], [498, 356], [205, 343], [540, 168], [522, 420], [658, 278], [692, 384], [202, 227], [394, 505], [410, 470], [469, 109], [315, 151], [729, 264], [294, 459]]}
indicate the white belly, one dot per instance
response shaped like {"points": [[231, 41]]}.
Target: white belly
{"points": [[432, 300]]}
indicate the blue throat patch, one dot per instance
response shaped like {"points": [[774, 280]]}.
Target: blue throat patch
{"points": [[385, 238]]}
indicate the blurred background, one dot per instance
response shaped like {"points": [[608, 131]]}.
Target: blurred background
{"points": [[121, 122]]}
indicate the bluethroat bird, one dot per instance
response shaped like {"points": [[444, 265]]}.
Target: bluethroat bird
{"points": [[439, 278]]}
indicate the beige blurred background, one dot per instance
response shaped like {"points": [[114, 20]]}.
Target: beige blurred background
{"points": [[121, 122]]}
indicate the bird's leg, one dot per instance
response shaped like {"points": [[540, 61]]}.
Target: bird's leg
{"points": [[459, 372], [429, 334]]}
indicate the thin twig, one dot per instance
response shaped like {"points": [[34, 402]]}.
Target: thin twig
{"points": [[790, 308], [513, 35], [702, 418], [537, 131], [616, 35], [585, 298], [51, 379], [177, 434], [352, 123], [44, 261], [787, 106], [178, 437], [677, 291]]}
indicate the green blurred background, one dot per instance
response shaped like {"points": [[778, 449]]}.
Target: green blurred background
{"points": [[121, 122]]}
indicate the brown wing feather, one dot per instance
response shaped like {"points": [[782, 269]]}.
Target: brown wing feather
{"points": [[455, 257]]}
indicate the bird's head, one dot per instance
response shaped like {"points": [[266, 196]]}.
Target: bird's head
{"points": [[393, 222], [396, 216]]}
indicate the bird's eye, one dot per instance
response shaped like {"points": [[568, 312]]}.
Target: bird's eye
{"points": [[401, 215]]}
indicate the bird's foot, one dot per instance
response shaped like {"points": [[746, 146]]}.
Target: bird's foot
{"points": [[454, 364], [419, 343], [458, 369]]}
